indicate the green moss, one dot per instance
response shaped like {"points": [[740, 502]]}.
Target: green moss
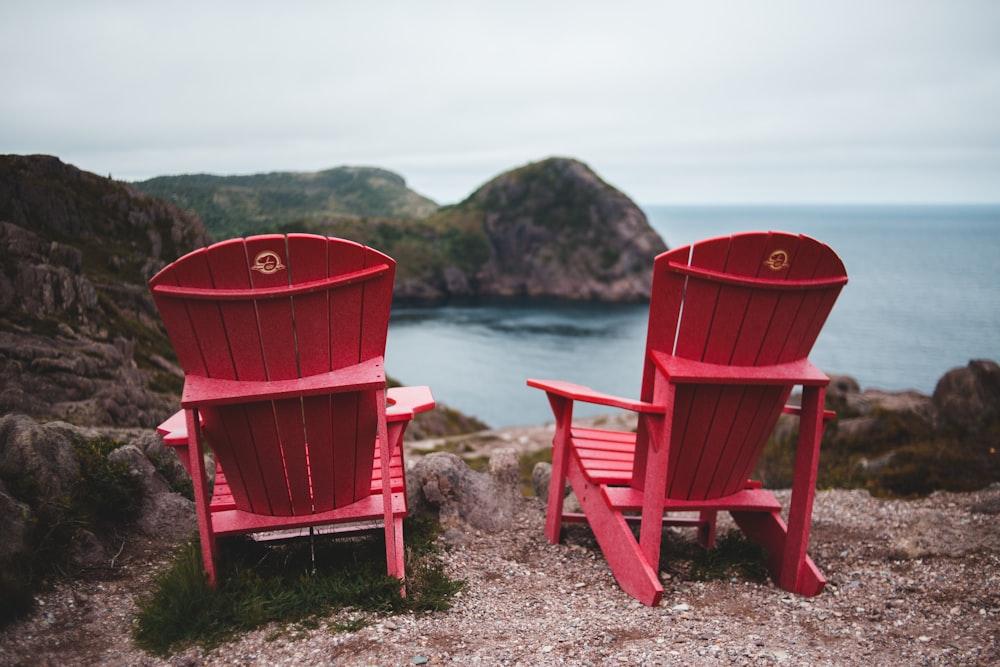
{"points": [[263, 583]]}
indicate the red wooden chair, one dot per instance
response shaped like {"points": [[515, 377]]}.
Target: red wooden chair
{"points": [[281, 339], [731, 323]]}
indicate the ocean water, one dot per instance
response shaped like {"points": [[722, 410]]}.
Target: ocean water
{"points": [[923, 297]]}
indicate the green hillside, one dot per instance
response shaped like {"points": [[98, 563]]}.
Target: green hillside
{"points": [[241, 205]]}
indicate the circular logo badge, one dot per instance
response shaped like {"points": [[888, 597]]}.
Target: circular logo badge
{"points": [[267, 262], [777, 260]]}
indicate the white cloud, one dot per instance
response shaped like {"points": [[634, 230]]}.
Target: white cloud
{"points": [[670, 101]]}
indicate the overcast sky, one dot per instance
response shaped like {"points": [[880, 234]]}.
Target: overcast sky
{"points": [[671, 102]]}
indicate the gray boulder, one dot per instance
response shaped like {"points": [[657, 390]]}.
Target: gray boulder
{"points": [[40, 471], [969, 398], [443, 483]]}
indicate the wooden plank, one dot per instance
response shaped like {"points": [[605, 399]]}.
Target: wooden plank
{"points": [[377, 306], [688, 437], [267, 255], [289, 421], [666, 300], [317, 414], [200, 391], [269, 459], [177, 320], [346, 306], [344, 446], [239, 343], [308, 262], [365, 440], [748, 500], [227, 430]]}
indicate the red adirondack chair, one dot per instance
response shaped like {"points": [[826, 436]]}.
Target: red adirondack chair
{"points": [[731, 323], [281, 339]]}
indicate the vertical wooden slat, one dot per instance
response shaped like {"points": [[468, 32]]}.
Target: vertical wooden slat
{"points": [[229, 430], [723, 436], [350, 452], [664, 308], [177, 320], [308, 261]]}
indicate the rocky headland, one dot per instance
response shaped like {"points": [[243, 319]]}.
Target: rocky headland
{"points": [[551, 228]]}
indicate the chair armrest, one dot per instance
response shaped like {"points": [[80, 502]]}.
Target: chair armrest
{"points": [[404, 402], [578, 392], [797, 410], [200, 391], [174, 430], [687, 371]]}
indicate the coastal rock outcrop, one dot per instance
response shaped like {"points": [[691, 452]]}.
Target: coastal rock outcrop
{"points": [[968, 398], [555, 228], [551, 228], [79, 336], [904, 443]]}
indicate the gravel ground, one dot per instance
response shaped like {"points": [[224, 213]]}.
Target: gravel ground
{"points": [[910, 583]]}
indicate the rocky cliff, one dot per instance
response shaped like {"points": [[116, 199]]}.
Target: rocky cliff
{"points": [[80, 339], [550, 228]]}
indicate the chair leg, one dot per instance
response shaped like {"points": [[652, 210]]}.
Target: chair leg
{"points": [[395, 551], [634, 573], [392, 524], [563, 410], [706, 529], [800, 507], [768, 530], [202, 499]]}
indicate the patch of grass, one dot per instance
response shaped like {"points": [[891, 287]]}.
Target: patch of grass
{"points": [[263, 583]]}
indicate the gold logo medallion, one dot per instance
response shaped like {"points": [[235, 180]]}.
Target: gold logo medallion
{"points": [[777, 261], [267, 262]]}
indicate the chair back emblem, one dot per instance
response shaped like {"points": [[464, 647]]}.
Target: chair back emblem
{"points": [[777, 260], [267, 262]]}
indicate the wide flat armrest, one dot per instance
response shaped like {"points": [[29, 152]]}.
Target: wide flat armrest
{"points": [[797, 410], [586, 394], [404, 402], [174, 430], [200, 391], [687, 371]]}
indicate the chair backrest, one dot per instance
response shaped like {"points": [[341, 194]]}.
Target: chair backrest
{"points": [[754, 299], [278, 307]]}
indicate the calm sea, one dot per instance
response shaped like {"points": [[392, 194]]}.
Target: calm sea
{"points": [[923, 297]]}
